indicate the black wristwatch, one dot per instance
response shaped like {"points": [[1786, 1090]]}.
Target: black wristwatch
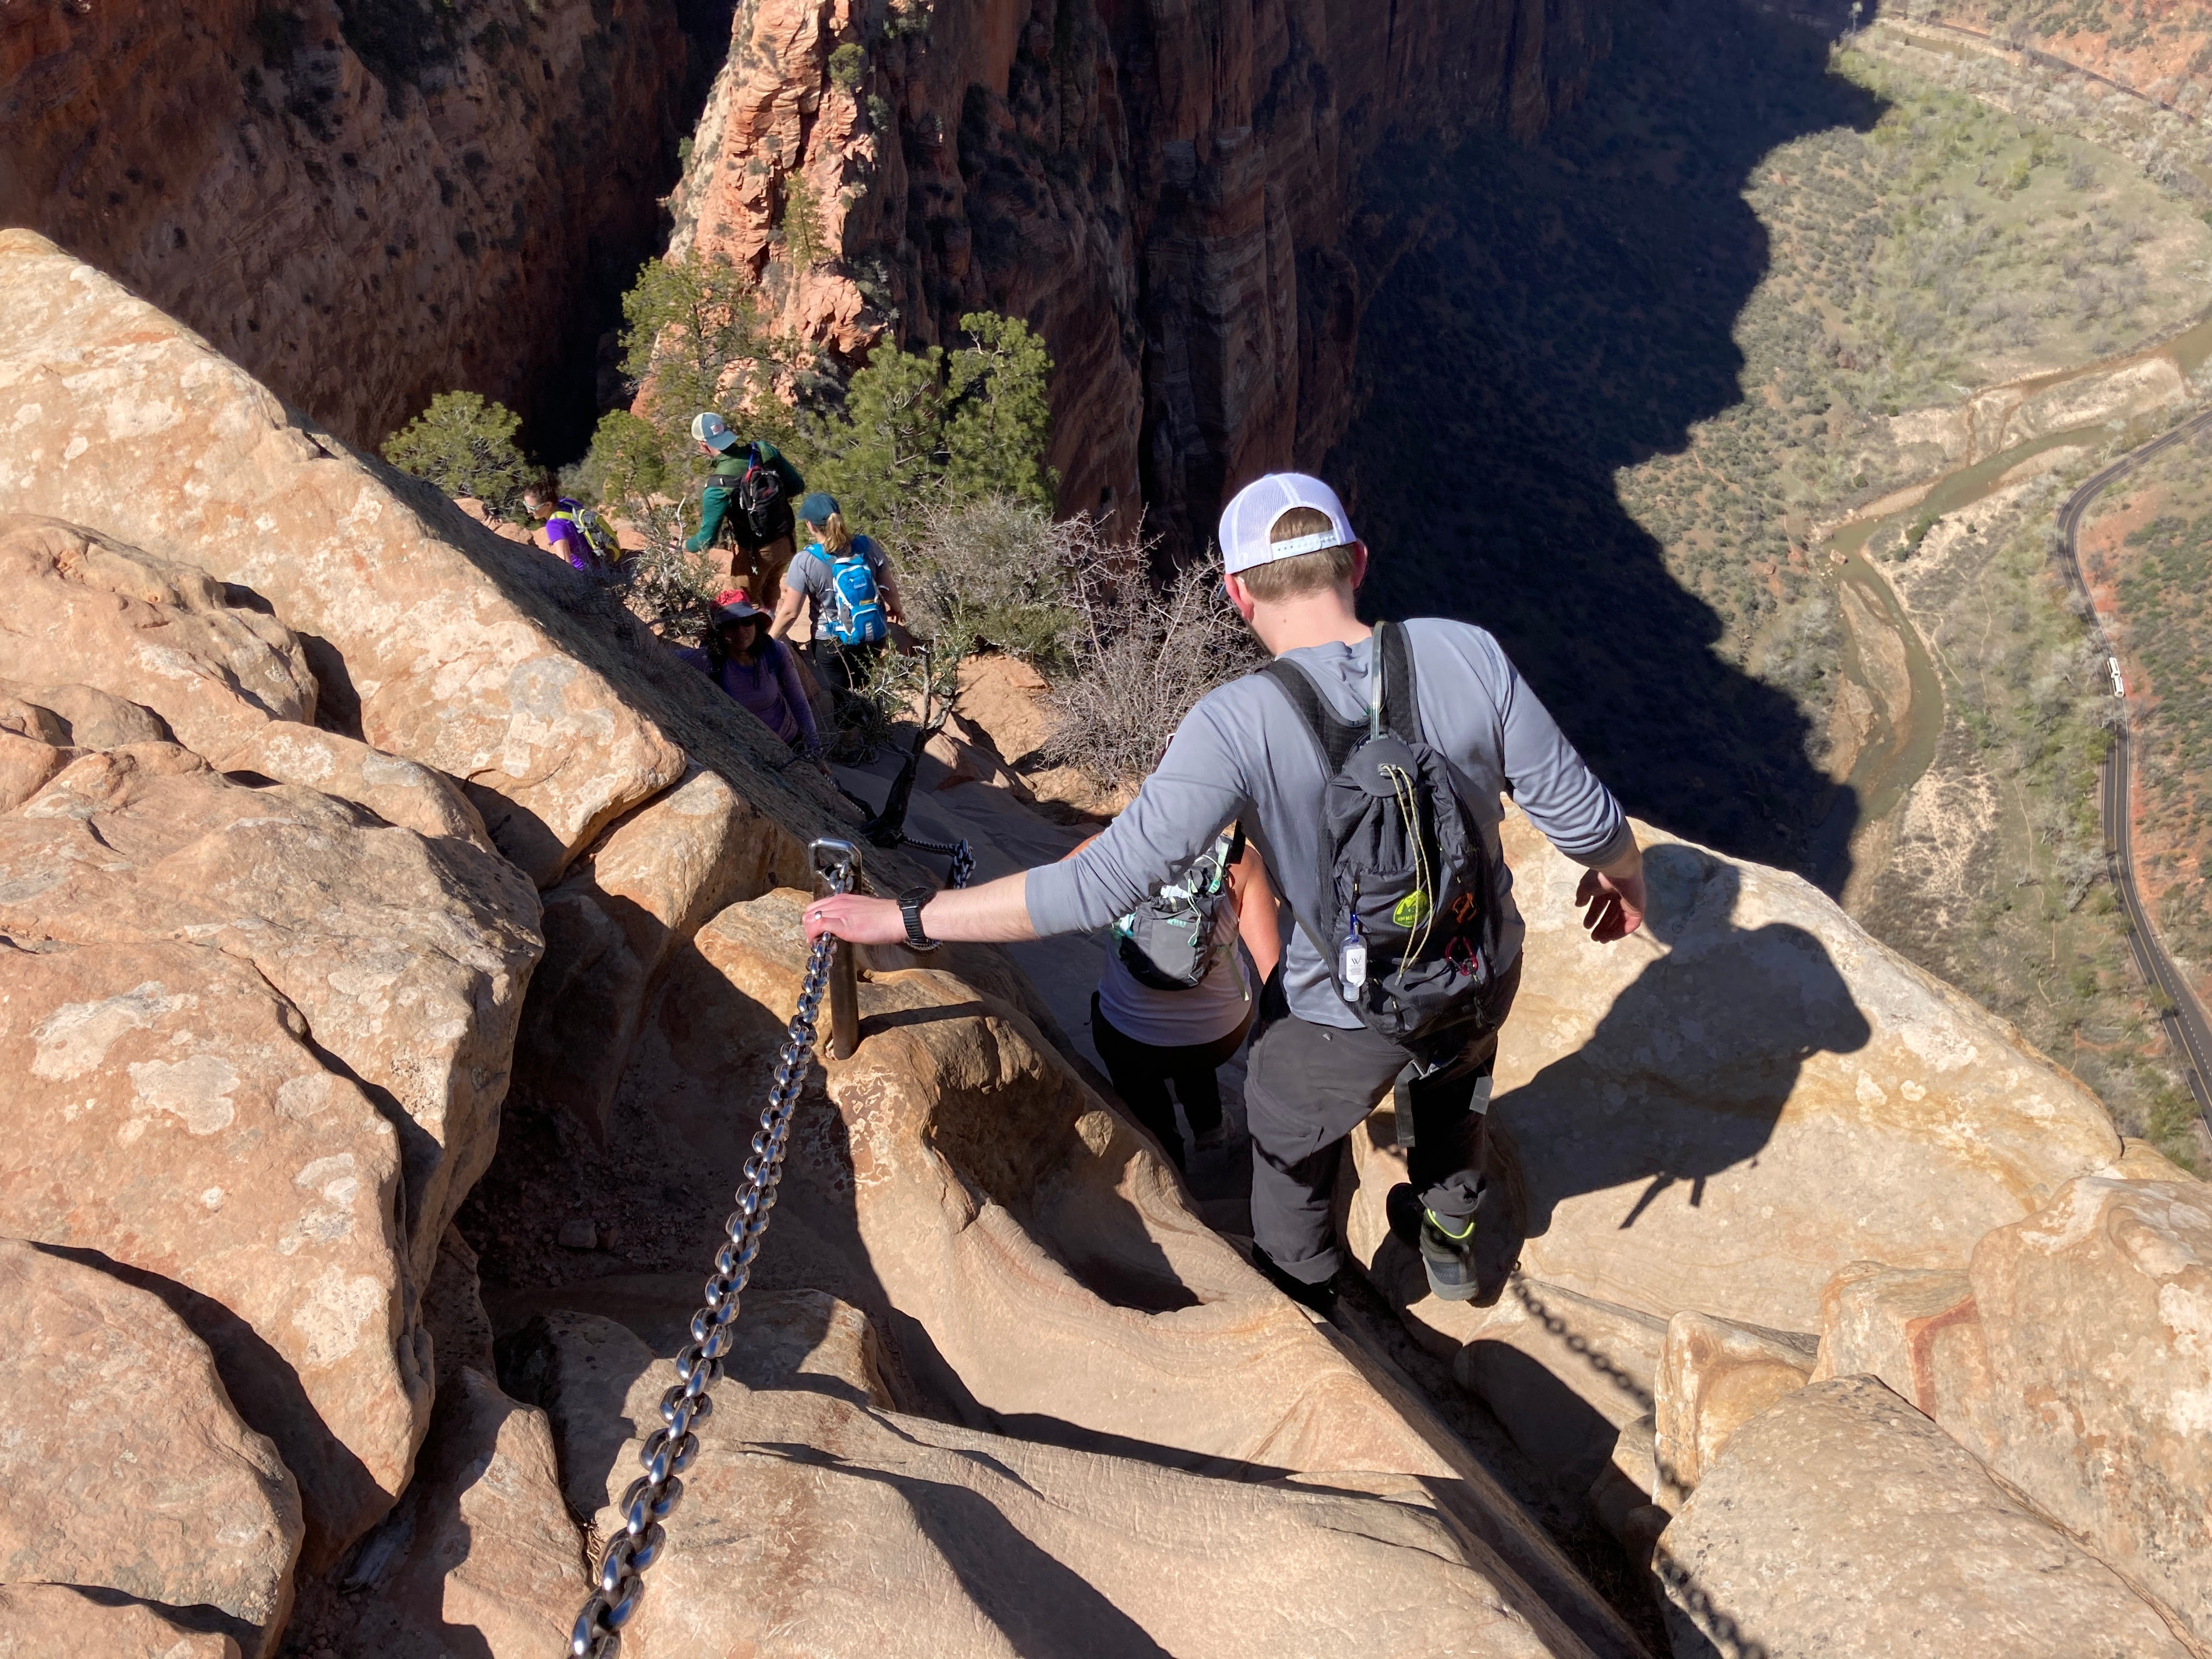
{"points": [[909, 904]]}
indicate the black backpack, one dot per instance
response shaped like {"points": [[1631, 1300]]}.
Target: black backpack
{"points": [[762, 511], [1401, 854], [1167, 942]]}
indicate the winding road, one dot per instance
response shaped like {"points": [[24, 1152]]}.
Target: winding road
{"points": [[2185, 1023]]}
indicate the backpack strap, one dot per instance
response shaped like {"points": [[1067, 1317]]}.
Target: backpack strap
{"points": [[1402, 708], [1334, 738]]}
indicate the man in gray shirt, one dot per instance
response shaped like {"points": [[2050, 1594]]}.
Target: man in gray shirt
{"points": [[1245, 753]]}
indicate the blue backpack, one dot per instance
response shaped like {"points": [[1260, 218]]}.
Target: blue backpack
{"points": [[859, 618]]}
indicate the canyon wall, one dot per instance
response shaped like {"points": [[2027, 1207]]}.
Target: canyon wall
{"points": [[362, 203], [1171, 192]]}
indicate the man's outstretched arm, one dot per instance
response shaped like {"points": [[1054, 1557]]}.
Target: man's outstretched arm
{"points": [[996, 913]]}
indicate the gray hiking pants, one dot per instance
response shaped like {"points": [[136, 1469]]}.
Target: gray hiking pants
{"points": [[1307, 1086]]}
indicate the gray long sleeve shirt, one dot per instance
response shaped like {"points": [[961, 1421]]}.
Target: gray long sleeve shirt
{"points": [[1243, 752]]}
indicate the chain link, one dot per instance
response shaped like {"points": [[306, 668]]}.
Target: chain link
{"points": [[620, 1581]]}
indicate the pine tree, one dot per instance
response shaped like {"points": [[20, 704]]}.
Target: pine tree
{"points": [[464, 444]]}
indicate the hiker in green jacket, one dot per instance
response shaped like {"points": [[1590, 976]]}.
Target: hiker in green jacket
{"points": [[745, 503]]}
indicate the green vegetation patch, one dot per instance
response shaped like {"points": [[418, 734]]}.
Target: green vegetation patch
{"points": [[2165, 590]]}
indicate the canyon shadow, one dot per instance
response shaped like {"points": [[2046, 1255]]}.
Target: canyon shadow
{"points": [[1546, 314]]}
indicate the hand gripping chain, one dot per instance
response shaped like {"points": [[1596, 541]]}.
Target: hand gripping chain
{"points": [[652, 1496]]}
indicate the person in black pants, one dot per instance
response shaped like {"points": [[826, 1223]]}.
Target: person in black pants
{"points": [[1152, 1038]]}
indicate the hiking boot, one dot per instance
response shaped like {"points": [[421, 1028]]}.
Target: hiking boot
{"points": [[1321, 1298], [1446, 1244]]}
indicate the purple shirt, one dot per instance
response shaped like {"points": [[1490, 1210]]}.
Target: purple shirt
{"points": [[568, 537], [768, 690]]}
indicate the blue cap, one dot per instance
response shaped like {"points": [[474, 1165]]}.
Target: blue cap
{"points": [[817, 507]]}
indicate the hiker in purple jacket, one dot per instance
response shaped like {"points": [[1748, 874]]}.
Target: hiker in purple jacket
{"points": [[758, 672]]}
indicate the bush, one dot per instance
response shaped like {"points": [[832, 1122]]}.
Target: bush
{"points": [[847, 64], [994, 572], [464, 444], [1140, 658]]}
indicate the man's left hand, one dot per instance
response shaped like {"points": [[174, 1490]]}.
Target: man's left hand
{"points": [[857, 919], [1613, 905]]}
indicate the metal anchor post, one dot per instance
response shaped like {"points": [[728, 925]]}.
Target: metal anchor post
{"points": [[831, 856]]}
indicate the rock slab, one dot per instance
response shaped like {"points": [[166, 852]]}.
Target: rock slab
{"points": [[1841, 1521], [2097, 1314], [414, 620], [123, 1465], [1721, 1111]]}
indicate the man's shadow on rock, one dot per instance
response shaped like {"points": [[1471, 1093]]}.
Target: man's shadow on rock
{"points": [[1687, 1074]]}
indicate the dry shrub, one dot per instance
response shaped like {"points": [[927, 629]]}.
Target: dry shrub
{"points": [[994, 573], [1139, 657]]}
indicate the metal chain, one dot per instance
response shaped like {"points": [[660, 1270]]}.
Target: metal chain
{"points": [[652, 1496]]}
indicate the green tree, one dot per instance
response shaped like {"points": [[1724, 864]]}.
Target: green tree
{"points": [[464, 444], [937, 427], [999, 426], [883, 452], [693, 340], [805, 244]]}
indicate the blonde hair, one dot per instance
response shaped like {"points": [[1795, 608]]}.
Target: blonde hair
{"points": [[836, 538], [1305, 573]]}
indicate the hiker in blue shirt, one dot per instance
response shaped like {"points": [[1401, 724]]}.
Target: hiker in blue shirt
{"points": [[849, 583]]}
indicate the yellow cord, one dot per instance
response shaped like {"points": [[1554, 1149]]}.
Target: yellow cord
{"points": [[1401, 786]]}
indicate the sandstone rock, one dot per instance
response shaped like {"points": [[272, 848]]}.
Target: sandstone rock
{"points": [[2096, 1312], [1029, 1261], [408, 957], [77, 606], [2140, 1161], [595, 1378], [1919, 1332], [86, 717], [453, 1310], [581, 1369], [1624, 1483], [198, 157], [431, 642], [612, 924], [1842, 1521], [1722, 1111], [1567, 1374], [123, 1464], [1716, 1375], [26, 766], [982, 1544], [22, 717], [480, 1558], [46, 1621], [1007, 698], [400, 792], [167, 1110]]}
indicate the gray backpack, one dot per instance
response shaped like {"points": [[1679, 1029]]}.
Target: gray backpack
{"points": [[1408, 923], [1167, 942]]}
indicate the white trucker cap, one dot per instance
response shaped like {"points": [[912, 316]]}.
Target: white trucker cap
{"points": [[1252, 512]]}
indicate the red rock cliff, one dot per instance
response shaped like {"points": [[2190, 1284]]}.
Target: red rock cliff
{"points": [[1171, 189], [362, 203]]}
